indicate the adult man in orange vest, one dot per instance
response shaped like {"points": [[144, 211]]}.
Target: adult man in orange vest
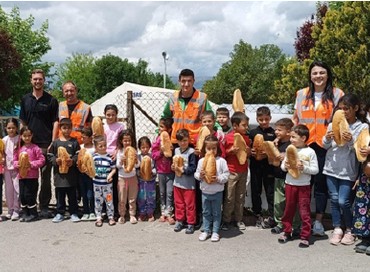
{"points": [[186, 106], [78, 111]]}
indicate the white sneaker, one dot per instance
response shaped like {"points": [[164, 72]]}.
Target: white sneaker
{"points": [[318, 229], [85, 217], [15, 216], [215, 237], [204, 236], [92, 217]]}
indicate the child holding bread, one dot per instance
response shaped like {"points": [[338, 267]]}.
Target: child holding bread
{"points": [[262, 173], [147, 187], [213, 173], [283, 128], [301, 163], [341, 165], [236, 157], [127, 163], [163, 161], [184, 164], [63, 156], [28, 159]]}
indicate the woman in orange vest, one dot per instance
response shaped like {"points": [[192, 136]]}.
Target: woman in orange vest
{"points": [[314, 107]]}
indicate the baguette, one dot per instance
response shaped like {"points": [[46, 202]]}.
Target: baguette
{"points": [[209, 167], [242, 152], [80, 159], [166, 144], [339, 126], [292, 159], [64, 156], [89, 165], [178, 161], [146, 168], [203, 133], [362, 141], [130, 155], [2, 147], [24, 164], [238, 103], [97, 126], [272, 153], [259, 147]]}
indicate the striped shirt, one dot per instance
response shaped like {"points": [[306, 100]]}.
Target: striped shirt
{"points": [[103, 166]]}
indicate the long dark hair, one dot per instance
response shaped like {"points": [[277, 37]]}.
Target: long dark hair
{"points": [[14, 121], [352, 100], [125, 132], [23, 130], [327, 95]]}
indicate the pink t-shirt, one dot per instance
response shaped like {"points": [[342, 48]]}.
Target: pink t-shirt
{"points": [[111, 133]]}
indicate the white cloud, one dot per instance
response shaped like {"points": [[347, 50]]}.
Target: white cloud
{"points": [[196, 35]]}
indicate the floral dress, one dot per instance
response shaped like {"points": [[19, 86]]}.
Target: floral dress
{"points": [[361, 209]]}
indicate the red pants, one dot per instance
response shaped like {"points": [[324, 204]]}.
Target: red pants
{"points": [[300, 195], [185, 205]]}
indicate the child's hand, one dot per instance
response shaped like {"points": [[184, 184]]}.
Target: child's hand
{"points": [[110, 178], [114, 155], [2, 161], [287, 165], [123, 161], [329, 135], [347, 136], [253, 152], [173, 167], [197, 152], [234, 150], [180, 169], [364, 151], [300, 166], [276, 142], [69, 162], [58, 161], [202, 174], [213, 179], [281, 156], [249, 151]]}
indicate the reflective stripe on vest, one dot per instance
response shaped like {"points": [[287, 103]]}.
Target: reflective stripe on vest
{"points": [[188, 118], [318, 119], [78, 117]]}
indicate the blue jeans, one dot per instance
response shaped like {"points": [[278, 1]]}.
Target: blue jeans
{"points": [[340, 194], [212, 211], [86, 187]]}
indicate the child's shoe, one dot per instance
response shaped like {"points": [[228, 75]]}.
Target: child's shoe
{"points": [[151, 218], [304, 244], [58, 218], [225, 226], [268, 223], [142, 218], [8, 216], [75, 218], [15, 216], [85, 217], [179, 226], [121, 220], [162, 218], [133, 220], [171, 220], [204, 236], [92, 217], [189, 229], [285, 237], [240, 225], [336, 237], [215, 237], [348, 238], [259, 221], [276, 230], [318, 229]]}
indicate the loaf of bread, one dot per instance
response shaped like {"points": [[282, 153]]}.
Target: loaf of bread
{"points": [[146, 168], [362, 141], [238, 103], [241, 144], [64, 156], [166, 144], [203, 133], [89, 165], [339, 126], [272, 153], [209, 167], [24, 164], [259, 147], [178, 161], [130, 155], [97, 126], [292, 159], [80, 159]]}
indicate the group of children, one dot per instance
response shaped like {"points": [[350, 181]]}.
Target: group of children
{"points": [[186, 198]]}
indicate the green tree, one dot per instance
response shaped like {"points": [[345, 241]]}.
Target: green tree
{"points": [[80, 68], [252, 70], [344, 43], [31, 44], [9, 61]]}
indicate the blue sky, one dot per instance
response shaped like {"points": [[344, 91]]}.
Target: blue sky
{"points": [[196, 35]]}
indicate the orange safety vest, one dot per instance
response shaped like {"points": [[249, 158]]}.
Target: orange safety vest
{"points": [[78, 117], [189, 118], [317, 120]]}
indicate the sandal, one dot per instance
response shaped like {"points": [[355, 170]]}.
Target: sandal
{"points": [[284, 238], [304, 244], [99, 223], [111, 222]]}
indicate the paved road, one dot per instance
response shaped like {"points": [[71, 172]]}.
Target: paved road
{"points": [[67, 246]]}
